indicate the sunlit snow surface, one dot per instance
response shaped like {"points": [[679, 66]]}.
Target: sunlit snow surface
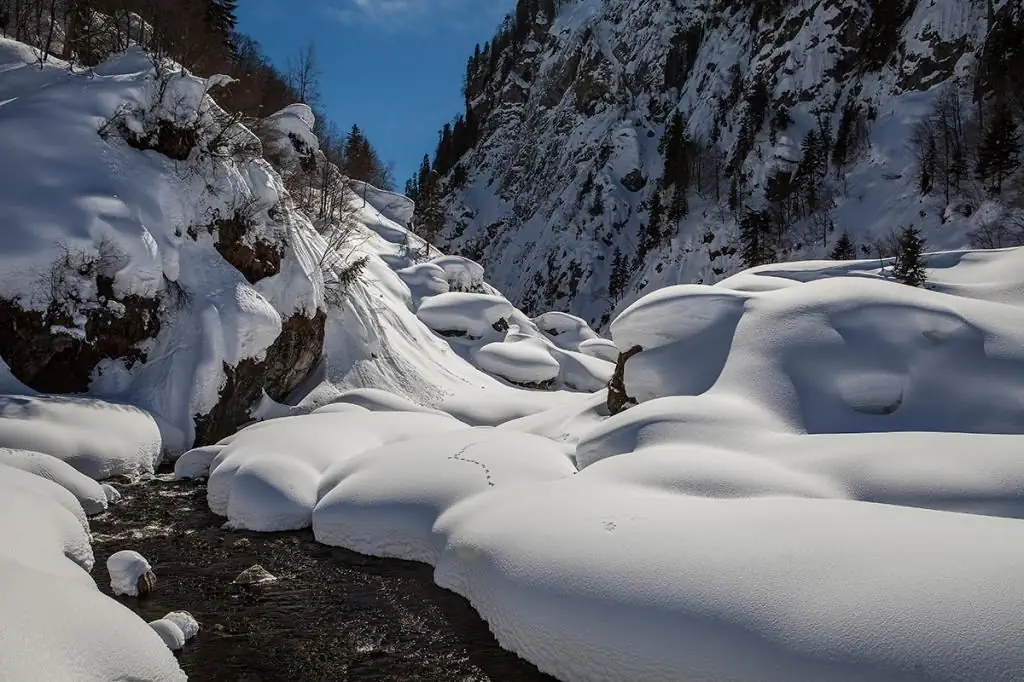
{"points": [[823, 480]]}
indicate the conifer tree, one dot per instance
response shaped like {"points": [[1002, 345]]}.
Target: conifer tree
{"points": [[845, 250], [755, 237], [910, 269], [999, 150]]}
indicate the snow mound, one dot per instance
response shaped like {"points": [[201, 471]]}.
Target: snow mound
{"points": [[462, 274], [59, 630], [97, 438], [126, 568], [196, 462], [522, 362], [602, 349], [460, 313], [90, 494], [834, 355], [385, 502], [270, 476], [747, 589], [568, 332], [424, 279], [170, 632], [44, 527], [186, 621]]}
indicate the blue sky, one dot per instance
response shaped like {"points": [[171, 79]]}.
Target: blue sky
{"points": [[394, 67]]}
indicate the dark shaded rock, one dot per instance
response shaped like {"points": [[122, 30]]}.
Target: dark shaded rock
{"points": [[257, 261], [634, 181], [501, 325], [146, 584], [288, 361], [618, 399], [45, 353], [170, 139]]}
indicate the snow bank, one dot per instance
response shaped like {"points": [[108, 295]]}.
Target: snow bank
{"points": [[270, 476], [386, 501], [54, 623], [97, 438], [89, 493], [60, 630], [834, 355], [747, 589], [602, 349]]}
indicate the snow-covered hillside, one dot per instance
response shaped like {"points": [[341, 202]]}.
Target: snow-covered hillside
{"points": [[804, 109]]}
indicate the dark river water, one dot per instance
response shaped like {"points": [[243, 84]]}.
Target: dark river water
{"points": [[332, 615]]}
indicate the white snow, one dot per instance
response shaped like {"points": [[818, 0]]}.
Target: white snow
{"points": [[54, 623], [97, 438], [522, 362], [90, 494], [170, 633], [470, 314], [125, 569]]}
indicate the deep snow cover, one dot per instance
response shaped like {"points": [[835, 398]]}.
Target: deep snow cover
{"points": [[822, 480], [821, 477]]}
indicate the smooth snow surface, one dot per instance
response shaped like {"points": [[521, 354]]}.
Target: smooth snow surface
{"points": [[98, 439], [125, 569], [90, 494], [822, 481], [54, 623]]}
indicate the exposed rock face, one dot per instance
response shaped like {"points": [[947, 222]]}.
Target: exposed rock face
{"points": [[53, 353], [618, 399], [256, 260], [288, 361], [570, 106]]}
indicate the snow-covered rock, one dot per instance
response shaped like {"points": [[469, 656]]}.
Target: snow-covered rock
{"points": [[523, 362], [127, 569], [164, 273], [459, 313]]}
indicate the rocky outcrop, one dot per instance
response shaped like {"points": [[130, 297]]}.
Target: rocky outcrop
{"points": [[618, 399], [256, 258], [55, 353], [286, 363]]}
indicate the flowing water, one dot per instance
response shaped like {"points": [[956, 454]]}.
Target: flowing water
{"points": [[331, 615]]}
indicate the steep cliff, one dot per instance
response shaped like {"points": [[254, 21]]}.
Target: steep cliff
{"points": [[614, 146]]}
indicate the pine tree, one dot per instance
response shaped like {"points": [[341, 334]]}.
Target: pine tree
{"points": [[909, 267], [755, 237], [618, 275], [845, 250], [1000, 147]]}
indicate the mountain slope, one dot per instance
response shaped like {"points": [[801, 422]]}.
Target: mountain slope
{"points": [[800, 111]]}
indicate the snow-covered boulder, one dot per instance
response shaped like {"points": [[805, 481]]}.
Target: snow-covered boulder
{"points": [[130, 574], [464, 314], [568, 332], [525, 362], [462, 274]]}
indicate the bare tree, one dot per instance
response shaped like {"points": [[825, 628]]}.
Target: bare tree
{"points": [[304, 74]]}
